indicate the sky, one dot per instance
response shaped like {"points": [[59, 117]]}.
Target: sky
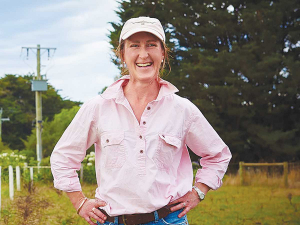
{"points": [[81, 66]]}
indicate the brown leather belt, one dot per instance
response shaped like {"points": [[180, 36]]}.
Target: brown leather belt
{"points": [[133, 219]]}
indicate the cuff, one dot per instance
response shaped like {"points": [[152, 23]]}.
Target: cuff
{"points": [[208, 178], [68, 184]]}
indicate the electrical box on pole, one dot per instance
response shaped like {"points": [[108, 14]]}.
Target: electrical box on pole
{"points": [[39, 85]]}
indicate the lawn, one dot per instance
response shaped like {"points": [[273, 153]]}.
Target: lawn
{"points": [[248, 205], [229, 205]]}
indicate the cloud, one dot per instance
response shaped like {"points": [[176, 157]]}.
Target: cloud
{"points": [[81, 66], [60, 6]]}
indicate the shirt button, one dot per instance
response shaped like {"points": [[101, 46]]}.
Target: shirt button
{"points": [[141, 151], [148, 108], [141, 137], [107, 140], [144, 122]]}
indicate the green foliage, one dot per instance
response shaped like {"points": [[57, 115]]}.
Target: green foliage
{"points": [[89, 172], [3, 146], [18, 103], [11, 158], [240, 67], [52, 131]]}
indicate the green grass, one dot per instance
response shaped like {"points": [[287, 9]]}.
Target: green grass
{"points": [[248, 205], [228, 205]]}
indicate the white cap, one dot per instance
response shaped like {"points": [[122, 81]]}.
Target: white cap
{"points": [[142, 24]]}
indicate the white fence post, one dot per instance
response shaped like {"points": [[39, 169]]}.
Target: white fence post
{"points": [[31, 173], [25, 166], [11, 182], [18, 178]]}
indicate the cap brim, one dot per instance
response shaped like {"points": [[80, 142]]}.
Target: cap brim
{"points": [[133, 31]]}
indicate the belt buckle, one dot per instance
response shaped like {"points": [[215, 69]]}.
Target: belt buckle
{"points": [[124, 219]]}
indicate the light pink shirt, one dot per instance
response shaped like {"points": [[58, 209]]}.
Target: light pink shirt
{"points": [[140, 167]]}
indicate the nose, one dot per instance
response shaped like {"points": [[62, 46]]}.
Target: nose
{"points": [[143, 54]]}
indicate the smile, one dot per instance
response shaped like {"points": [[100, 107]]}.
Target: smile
{"points": [[144, 64]]}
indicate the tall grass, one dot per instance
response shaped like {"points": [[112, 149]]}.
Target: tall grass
{"points": [[263, 200], [264, 177]]}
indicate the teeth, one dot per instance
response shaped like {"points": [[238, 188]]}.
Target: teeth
{"points": [[143, 64]]}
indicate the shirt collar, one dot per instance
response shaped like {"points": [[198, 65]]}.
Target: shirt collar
{"points": [[115, 91]]}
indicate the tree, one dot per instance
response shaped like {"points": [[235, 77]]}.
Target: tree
{"points": [[18, 103], [52, 131], [238, 61]]}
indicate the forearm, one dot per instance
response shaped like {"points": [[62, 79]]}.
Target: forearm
{"points": [[76, 197]]}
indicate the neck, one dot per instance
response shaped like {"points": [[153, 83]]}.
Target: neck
{"points": [[142, 91]]}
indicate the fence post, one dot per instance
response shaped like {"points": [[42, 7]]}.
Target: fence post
{"points": [[241, 171], [285, 173], [31, 173], [11, 182], [18, 178], [31, 176], [81, 173]]}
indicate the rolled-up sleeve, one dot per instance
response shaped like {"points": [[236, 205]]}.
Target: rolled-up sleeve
{"points": [[70, 150], [204, 141]]}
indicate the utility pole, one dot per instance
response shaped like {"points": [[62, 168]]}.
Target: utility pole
{"points": [[2, 119], [38, 109], [39, 85]]}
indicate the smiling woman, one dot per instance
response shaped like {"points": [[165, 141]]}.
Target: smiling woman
{"points": [[143, 55], [141, 130], [157, 42]]}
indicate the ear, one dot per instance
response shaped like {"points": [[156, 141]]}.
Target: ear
{"points": [[122, 56], [122, 51], [162, 49]]}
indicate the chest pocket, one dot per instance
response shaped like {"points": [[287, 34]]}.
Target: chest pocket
{"points": [[112, 145], [167, 147]]}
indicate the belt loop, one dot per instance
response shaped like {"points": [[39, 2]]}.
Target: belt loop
{"points": [[116, 220], [156, 216]]}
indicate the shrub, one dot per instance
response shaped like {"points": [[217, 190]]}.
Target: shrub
{"points": [[89, 173], [11, 158]]}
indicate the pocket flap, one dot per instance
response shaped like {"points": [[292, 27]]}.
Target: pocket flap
{"points": [[112, 138], [171, 140]]}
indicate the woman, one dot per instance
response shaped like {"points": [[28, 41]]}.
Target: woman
{"points": [[140, 129]]}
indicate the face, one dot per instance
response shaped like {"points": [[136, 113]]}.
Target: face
{"points": [[143, 54]]}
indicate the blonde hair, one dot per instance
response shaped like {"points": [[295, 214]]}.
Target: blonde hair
{"points": [[124, 71]]}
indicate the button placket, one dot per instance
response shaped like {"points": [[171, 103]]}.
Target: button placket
{"points": [[141, 150]]}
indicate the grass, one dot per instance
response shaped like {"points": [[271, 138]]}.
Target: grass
{"points": [[258, 203], [248, 205]]}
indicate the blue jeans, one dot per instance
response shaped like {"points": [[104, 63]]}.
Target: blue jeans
{"points": [[171, 219]]}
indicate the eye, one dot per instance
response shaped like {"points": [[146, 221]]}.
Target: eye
{"points": [[152, 45], [133, 46]]}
